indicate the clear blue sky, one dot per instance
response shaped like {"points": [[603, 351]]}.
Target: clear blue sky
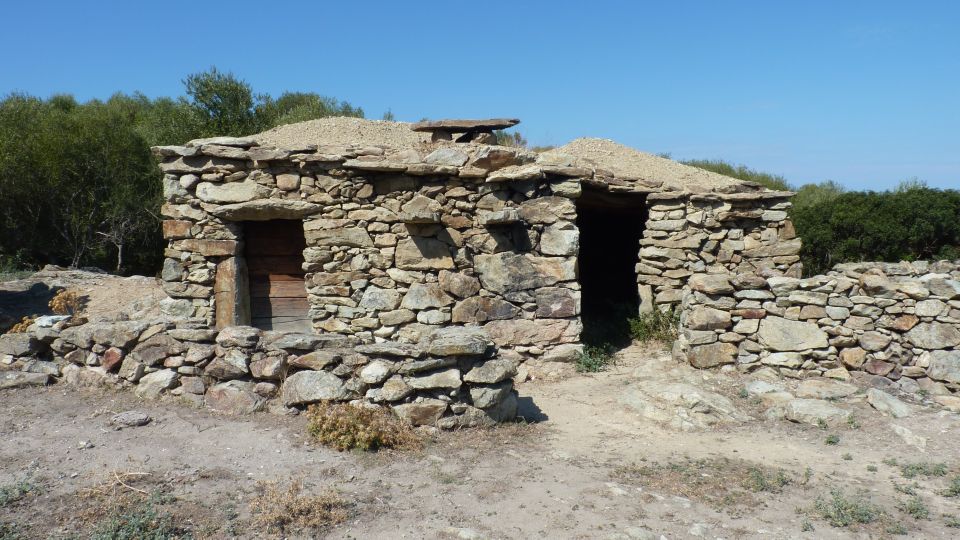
{"points": [[866, 93]]}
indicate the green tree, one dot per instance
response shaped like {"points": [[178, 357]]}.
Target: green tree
{"points": [[225, 104]]}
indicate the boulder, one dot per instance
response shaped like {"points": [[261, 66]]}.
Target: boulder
{"points": [[238, 336], [20, 344], [459, 285], [680, 405], [888, 404], [562, 241], [511, 272], [152, 384], [155, 349], [853, 357], [421, 253], [491, 371], [20, 379], [425, 296], [710, 284], [934, 335], [376, 372], [712, 355], [779, 334], [377, 299], [530, 332], [421, 413], [305, 387], [266, 209], [483, 309], [457, 341], [234, 397], [130, 419], [556, 303], [813, 411], [707, 318], [447, 378], [824, 389], [232, 365], [395, 389], [874, 341], [231, 192], [945, 366]]}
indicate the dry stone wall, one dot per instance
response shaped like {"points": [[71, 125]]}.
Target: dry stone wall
{"points": [[453, 378], [689, 234], [896, 321], [399, 243]]}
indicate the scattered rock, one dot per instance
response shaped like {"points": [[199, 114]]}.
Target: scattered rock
{"points": [[130, 419], [888, 404]]}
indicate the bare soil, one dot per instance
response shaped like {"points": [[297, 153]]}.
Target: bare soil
{"points": [[585, 466]]}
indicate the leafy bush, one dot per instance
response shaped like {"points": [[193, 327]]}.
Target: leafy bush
{"points": [[923, 468], [348, 427], [655, 325], [12, 493], [767, 180], [841, 511], [284, 510], [594, 358], [916, 508], [138, 521]]}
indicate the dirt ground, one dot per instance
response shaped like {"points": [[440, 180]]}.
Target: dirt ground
{"points": [[586, 465]]}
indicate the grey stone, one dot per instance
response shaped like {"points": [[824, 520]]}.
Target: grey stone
{"points": [[459, 285], [874, 341], [130, 419], [238, 336], [152, 384], [425, 296], [707, 318], [20, 379], [482, 309], [421, 413], [712, 355], [131, 369], [945, 366], [305, 387], [511, 272], [20, 344], [824, 389], [934, 335], [231, 192], [457, 341], [491, 371], [813, 411], [232, 365], [556, 302], [234, 397], [446, 156], [375, 298], [266, 209], [376, 372], [420, 253], [557, 240], [779, 334], [395, 389], [790, 360], [390, 348], [447, 378], [888, 404], [340, 237], [710, 284], [421, 209]]}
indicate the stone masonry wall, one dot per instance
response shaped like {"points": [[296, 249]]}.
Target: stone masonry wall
{"points": [[454, 378], [689, 234], [398, 243], [896, 321]]}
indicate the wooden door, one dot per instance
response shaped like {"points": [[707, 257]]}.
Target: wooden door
{"points": [[274, 254]]}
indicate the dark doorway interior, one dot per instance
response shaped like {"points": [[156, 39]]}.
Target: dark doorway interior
{"points": [[611, 226], [274, 256]]}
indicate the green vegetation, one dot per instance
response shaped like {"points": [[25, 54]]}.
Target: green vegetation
{"points": [[953, 489], [79, 184], [916, 508], [141, 520], [842, 511], [911, 222], [832, 439], [594, 358], [923, 468], [12, 493], [655, 325]]}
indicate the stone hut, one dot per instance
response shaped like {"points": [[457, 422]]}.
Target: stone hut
{"points": [[385, 236]]}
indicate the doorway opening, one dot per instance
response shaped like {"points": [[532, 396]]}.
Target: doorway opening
{"points": [[274, 255], [611, 227]]}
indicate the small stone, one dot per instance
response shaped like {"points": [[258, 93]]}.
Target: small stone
{"points": [[130, 419], [491, 371]]}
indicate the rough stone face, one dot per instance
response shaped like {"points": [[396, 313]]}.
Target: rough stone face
{"points": [[266, 209], [316, 360], [783, 359], [21, 379], [457, 341], [130, 419], [234, 397], [232, 192], [341, 237], [304, 387], [232, 365], [459, 285], [421, 413], [152, 384], [556, 302], [238, 336], [945, 366], [779, 334], [710, 284], [425, 296], [888, 404], [420, 253], [813, 411], [447, 378], [376, 372], [482, 309], [153, 350], [490, 372], [874, 341], [484, 397], [558, 241], [18, 344], [707, 318], [395, 389], [824, 389], [934, 335], [527, 332], [375, 298], [853, 357], [510, 272], [712, 355]]}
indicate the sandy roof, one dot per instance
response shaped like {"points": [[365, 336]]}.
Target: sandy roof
{"points": [[343, 131], [626, 162]]}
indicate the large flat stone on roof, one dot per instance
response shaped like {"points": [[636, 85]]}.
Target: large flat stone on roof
{"points": [[458, 126]]}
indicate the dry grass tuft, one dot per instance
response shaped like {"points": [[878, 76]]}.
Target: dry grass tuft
{"points": [[348, 427], [721, 483], [285, 509], [67, 302], [22, 326]]}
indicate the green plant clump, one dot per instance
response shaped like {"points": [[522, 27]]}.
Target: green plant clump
{"points": [[142, 521], [916, 508], [841, 511], [655, 325], [594, 358], [923, 468]]}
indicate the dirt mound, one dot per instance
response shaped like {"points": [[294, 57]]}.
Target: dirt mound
{"points": [[626, 162], [341, 131]]}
